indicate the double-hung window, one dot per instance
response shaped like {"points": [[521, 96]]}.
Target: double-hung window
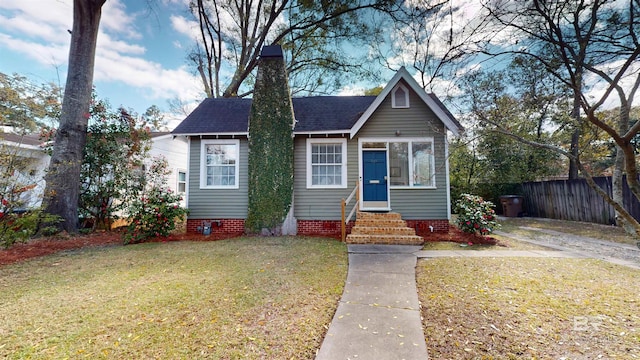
{"points": [[182, 181], [219, 164], [326, 163]]}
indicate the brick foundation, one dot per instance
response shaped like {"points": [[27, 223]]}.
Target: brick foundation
{"points": [[331, 228], [218, 226], [322, 228]]}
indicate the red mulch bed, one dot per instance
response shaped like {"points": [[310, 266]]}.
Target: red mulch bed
{"points": [[45, 246], [457, 235]]}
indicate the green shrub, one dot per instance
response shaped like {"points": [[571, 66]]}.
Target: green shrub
{"points": [[475, 215], [18, 228], [153, 215]]}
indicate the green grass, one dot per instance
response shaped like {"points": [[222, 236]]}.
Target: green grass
{"points": [[529, 308], [256, 298]]}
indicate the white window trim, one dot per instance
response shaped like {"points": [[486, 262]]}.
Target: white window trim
{"points": [[406, 97], [343, 143], [409, 140], [178, 171], [203, 163], [433, 170]]}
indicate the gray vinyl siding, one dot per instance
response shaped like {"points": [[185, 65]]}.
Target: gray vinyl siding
{"points": [[321, 204], [217, 203], [324, 204], [416, 121]]}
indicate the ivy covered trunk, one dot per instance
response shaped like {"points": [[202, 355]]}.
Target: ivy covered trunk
{"points": [[271, 149]]}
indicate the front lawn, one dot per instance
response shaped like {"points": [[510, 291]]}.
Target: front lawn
{"points": [[256, 298], [529, 308]]}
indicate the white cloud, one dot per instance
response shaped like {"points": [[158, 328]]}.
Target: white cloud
{"points": [[55, 13], [597, 87], [182, 25], [116, 19], [105, 41], [38, 33], [351, 90], [46, 54]]}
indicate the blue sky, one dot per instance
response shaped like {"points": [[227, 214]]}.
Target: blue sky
{"points": [[141, 50], [140, 56]]}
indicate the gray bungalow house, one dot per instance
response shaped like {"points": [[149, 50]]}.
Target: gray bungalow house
{"points": [[393, 147]]}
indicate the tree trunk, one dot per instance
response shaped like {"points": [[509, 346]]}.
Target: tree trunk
{"points": [[618, 170], [63, 177], [575, 136]]}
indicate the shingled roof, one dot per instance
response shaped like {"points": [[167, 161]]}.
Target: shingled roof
{"points": [[313, 114], [316, 114], [217, 116]]}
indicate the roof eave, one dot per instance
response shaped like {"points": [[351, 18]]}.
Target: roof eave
{"points": [[242, 133], [20, 145], [323, 132]]}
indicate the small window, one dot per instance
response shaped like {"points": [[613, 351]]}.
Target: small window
{"points": [[326, 163], [219, 164], [400, 97], [182, 181]]}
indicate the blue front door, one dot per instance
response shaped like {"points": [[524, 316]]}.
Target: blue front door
{"points": [[374, 175]]}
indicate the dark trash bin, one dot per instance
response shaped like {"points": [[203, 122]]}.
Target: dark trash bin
{"points": [[511, 205]]}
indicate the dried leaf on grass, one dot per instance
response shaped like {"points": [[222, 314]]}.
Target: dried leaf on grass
{"points": [[529, 308], [174, 300]]}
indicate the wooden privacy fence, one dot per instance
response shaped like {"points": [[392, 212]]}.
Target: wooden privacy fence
{"points": [[574, 200]]}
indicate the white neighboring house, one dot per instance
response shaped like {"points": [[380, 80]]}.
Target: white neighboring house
{"points": [[175, 151], [27, 147]]}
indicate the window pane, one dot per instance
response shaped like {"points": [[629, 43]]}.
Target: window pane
{"points": [[182, 187], [400, 97], [374, 145], [399, 163], [326, 164], [218, 154], [422, 164], [182, 176], [220, 165]]}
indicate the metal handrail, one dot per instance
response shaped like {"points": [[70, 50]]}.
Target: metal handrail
{"points": [[344, 221]]}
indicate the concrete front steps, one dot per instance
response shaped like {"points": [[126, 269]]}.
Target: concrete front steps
{"points": [[382, 228]]}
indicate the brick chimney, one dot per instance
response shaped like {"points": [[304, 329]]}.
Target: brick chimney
{"points": [[271, 123]]}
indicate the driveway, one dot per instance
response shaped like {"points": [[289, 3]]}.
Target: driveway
{"points": [[617, 253]]}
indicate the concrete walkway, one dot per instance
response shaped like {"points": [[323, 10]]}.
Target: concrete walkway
{"points": [[378, 316]]}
